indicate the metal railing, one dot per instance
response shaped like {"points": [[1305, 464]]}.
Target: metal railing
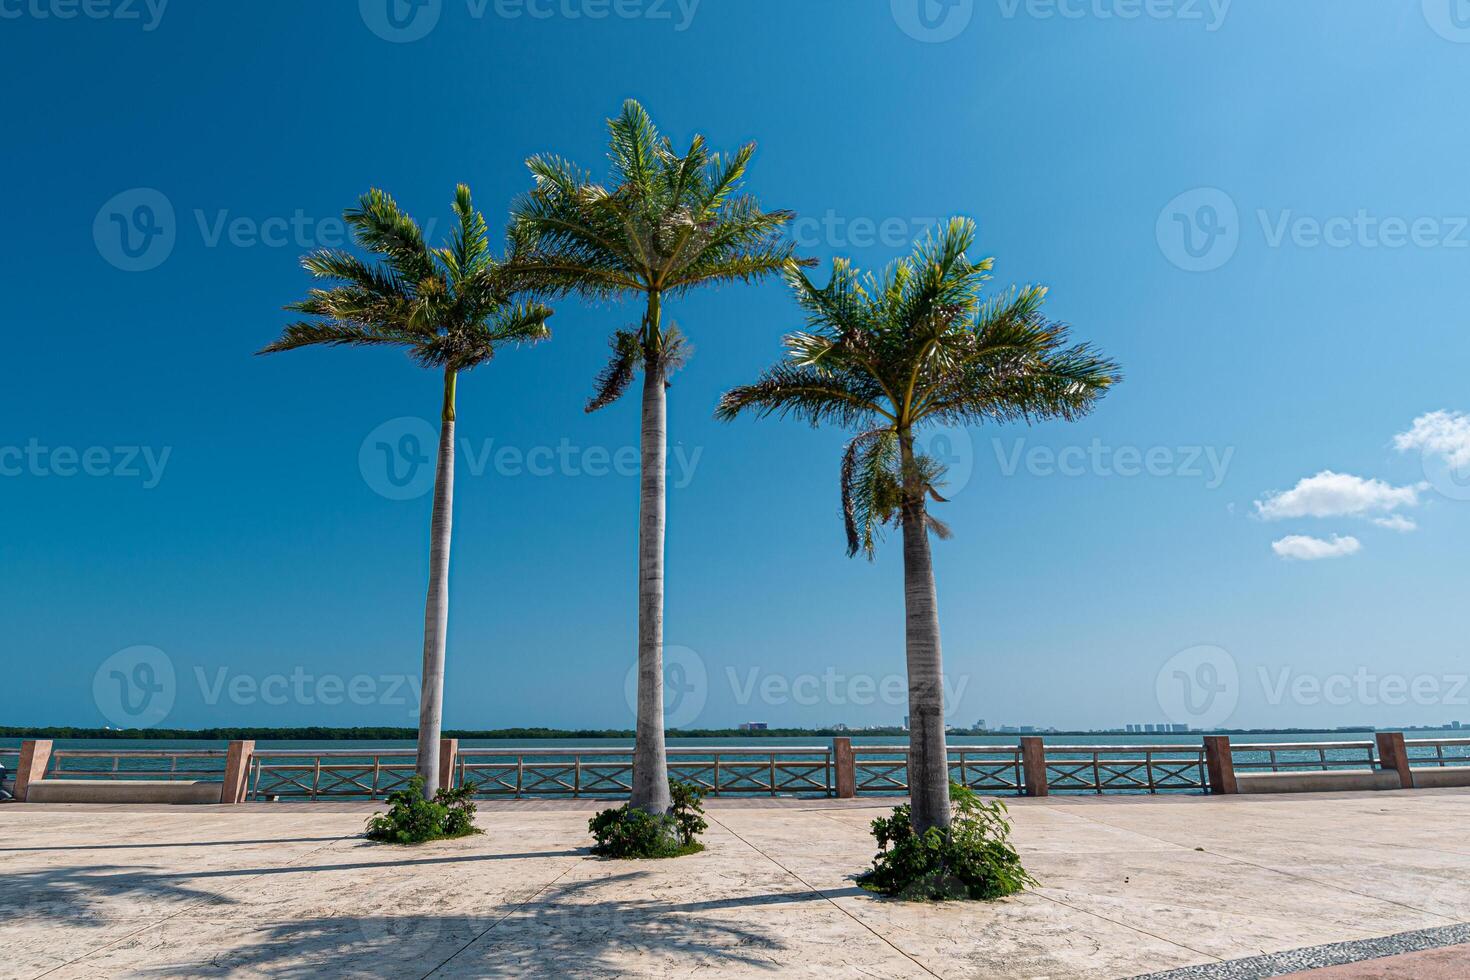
{"points": [[10, 763], [579, 772], [746, 770], [313, 774], [1431, 752], [1125, 768], [1303, 756], [206, 765], [883, 769]]}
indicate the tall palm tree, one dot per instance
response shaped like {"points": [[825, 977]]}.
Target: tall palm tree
{"points": [[450, 308], [888, 355], [661, 225]]}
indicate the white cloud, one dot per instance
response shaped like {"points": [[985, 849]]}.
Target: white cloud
{"points": [[1330, 494], [1443, 434], [1300, 547], [1397, 522]]}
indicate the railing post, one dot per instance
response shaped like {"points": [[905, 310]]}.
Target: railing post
{"points": [[34, 755], [845, 775], [1033, 765], [1220, 764], [237, 772], [1393, 754], [448, 750]]}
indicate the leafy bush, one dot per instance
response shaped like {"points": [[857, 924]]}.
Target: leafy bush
{"points": [[626, 832], [975, 860], [411, 819]]}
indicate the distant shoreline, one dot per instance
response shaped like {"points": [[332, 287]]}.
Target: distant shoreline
{"points": [[409, 734]]}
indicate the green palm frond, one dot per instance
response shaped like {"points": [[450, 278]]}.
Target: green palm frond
{"points": [[805, 393], [379, 225], [447, 307], [332, 334], [870, 488], [614, 379]]}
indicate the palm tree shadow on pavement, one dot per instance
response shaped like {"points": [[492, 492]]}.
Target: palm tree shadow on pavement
{"points": [[571, 929]]}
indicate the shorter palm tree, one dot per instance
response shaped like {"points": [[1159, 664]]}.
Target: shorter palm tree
{"points": [[451, 309], [888, 355]]}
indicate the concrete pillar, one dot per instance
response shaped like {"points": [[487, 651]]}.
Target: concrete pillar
{"points": [[1220, 764], [1033, 765], [34, 755], [237, 772], [844, 769], [448, 752], [1393, 756]]}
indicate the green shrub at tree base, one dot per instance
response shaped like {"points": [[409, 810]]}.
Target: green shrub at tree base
{"points": [[626, 832], [975, 860], [411, 819]]}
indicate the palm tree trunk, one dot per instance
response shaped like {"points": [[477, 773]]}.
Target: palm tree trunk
{"points": [[436, 609], [650, 757], [928, 753]]}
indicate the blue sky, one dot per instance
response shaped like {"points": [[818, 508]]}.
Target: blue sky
{"points": [[161, 488]]}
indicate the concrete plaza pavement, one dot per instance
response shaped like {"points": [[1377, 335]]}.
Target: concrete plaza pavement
{"points": [[1129, 886]]}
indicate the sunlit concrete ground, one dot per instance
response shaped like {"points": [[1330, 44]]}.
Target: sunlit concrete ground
{"points": [[1130, 886]]}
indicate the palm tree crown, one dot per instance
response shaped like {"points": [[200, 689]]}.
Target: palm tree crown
{"points": [[449, 307], [663, 224], [915, 346]]}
